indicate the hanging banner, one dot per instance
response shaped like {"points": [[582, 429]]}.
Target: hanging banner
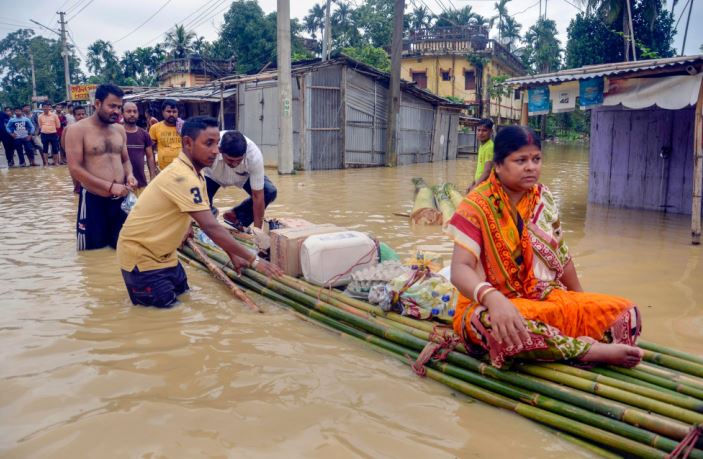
{"points": [[564, 96], [82, 91], [538, 101], [590, 93]]}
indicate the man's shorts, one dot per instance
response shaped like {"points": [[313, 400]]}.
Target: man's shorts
{"points": [[99, 222], [158, 287]]}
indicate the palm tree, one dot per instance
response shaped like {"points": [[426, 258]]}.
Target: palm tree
{"points": [[455, 18], [344, 31], [131, 66], [421, 18], [502, 8], [481, 21], [201, 46], [315, 20], [102, 60], [179, 42], [543, 46], [511, 32]]}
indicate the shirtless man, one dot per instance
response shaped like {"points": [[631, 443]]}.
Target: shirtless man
{"points": [[98, 159]]}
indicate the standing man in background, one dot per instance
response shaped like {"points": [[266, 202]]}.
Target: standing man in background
{"points": [[8, 143], [79, 114], [167, 140], [49, 125], [139, 146], [21, 129], [484, 162], [63, 122]]}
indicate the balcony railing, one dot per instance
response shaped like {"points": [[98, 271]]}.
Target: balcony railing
{"points": [[195, 65], [439, 39]]}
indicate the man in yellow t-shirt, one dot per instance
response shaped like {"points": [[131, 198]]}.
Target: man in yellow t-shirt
{"points": [[160, 221], [484, 162], [165, 136]]}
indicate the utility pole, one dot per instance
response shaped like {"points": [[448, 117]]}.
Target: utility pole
{"points": [[34, 78], [685, 34], [64, 53], [327, 34], [285, 132], [64, 50], [394, 99], [632, 31]]}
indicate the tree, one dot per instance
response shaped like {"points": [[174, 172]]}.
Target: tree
{"points": [[502, 9], [315, 21], [375, 21], [542, 47], [614, 14], [481, 21], [344, 31], [376, 57], [103, 63], [16, 70], [591, 40], [179, 42], [421, 18], [511, 32], [455, 18]]}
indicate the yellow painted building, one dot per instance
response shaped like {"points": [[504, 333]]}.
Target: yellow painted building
{"points": [[441, 62], [191, 72]]}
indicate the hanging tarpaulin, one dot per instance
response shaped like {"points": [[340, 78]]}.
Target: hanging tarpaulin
{"points": [[564, 96], [538, 100], [590, 93], [668, 92]]}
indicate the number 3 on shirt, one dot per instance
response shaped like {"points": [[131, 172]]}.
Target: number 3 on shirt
{"points": [[197, 197]]}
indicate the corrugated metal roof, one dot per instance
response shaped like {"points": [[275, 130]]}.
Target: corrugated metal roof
{"points": [[207, 93], [592, 71]]}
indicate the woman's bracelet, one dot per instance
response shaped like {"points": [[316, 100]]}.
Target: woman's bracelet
{"points": [[255, 262], [478, 287], [483, 294]]}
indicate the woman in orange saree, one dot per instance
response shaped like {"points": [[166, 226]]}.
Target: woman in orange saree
{"points": [[520, 296]]}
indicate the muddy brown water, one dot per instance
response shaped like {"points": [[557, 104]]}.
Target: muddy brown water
{"points": [[85, 374]]}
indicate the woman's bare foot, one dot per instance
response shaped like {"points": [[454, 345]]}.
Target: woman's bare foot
{"points": [[620, 355]]}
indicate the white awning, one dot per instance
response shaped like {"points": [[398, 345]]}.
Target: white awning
{"points": [[670, 93]]}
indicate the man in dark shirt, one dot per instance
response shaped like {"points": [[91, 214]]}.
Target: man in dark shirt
{"points": [[139, 145], [6, 137]]}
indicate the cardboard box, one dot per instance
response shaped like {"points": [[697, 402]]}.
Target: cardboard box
{"points": [[286, 244]]}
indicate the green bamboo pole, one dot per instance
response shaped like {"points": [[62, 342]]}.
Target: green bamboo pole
{"points": [[655, 423], [655, 379], [530, 397], [590, 447], [669, 351], [672, 374], [639, 382], [662, 395], [614, 393], [675, 363]]}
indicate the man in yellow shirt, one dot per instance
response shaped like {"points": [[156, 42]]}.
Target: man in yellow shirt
{"points": [[165, 136], [161, 219], [484, 162]]}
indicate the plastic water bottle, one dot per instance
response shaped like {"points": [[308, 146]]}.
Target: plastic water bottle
{"points": [[129, 201]]}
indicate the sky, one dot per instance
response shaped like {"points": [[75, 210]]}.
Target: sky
{"points": [[132, 23]]}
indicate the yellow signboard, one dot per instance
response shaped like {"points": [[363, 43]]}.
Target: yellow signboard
{"points": [[82, 91]]}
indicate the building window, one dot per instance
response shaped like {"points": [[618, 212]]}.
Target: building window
{"points": [[446, 75], [517, 94], [420, 79], [469, 80]]}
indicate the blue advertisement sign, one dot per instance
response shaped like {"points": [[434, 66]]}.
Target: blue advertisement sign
{"points": [[538, 100], [590, 93]]}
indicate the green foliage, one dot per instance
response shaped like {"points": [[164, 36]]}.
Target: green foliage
{"points": [[456, 100], [375, 21], [103, 63], [542, 47], [591, 40], [370, 55], [15, 68], [179, 42]]}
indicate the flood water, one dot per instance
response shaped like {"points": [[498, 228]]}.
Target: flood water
{"points": [[86, 374]]}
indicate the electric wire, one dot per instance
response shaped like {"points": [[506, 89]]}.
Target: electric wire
{"points": [[143, 23]]}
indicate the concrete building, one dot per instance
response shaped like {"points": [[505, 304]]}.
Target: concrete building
{"points": [[461, 62], [191, 71]]}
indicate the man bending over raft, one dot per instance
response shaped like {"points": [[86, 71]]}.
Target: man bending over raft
{"points": [[98, 159], [161, 219]]}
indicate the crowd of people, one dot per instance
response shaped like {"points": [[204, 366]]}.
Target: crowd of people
{"points": [[519, 293]]}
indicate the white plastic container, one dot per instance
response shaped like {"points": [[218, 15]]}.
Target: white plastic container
{"points": [[330, 259]]}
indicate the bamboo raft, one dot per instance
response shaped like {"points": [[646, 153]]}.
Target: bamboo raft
{"points": [[654, 410]]}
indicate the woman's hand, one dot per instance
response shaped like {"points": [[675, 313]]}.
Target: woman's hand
{"points": [[508, 326]]}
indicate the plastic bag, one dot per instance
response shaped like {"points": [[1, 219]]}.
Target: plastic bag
{"points": [[128, 202], [422, 295]]}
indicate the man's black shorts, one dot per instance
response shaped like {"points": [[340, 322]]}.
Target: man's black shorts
{"points": [[99, 221], [159, 287]]}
